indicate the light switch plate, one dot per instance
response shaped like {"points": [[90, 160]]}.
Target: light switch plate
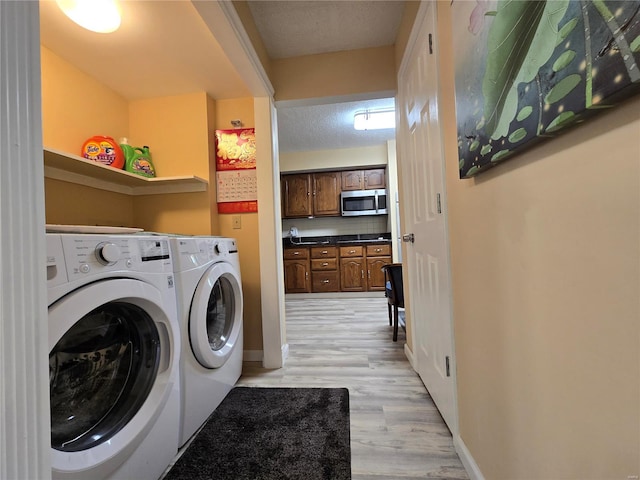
{"points": [[237, 222]]}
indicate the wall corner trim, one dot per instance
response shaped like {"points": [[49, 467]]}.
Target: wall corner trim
{"points": [[467, 459]]}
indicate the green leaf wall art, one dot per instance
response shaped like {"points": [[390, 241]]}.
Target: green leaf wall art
{"points": [[527, 71]]}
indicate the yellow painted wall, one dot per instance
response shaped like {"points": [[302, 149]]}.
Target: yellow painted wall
{"points": [[368, 70], [546, 275], [176, 130], [75, 107], [334, 159], [247, 236]]}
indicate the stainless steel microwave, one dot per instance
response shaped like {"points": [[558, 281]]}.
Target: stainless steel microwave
{"points": [[363, 202]]}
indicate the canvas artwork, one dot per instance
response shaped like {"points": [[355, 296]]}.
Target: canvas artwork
{"points": [[526, 71]]}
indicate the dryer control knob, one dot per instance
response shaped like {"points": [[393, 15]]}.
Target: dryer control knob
{"points": [[222, 248], [108, 253]]}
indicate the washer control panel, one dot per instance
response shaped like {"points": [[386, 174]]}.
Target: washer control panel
{"points": [[108, 253], [90, 254], [190, 252]]}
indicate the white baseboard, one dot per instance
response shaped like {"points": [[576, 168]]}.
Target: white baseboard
{"points": [[285, 353], [252, 356], [467, 460], [409, 354]]}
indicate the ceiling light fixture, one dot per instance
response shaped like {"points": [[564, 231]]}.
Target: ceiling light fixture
{"points": [[374, 120], [101, 16]]}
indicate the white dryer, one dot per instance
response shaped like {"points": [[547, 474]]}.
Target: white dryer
{"points": [[210, 305], [114, 348]]}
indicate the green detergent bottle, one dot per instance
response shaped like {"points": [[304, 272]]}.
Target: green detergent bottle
{"points": [[138, 160]]}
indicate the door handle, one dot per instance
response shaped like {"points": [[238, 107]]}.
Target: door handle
{"points": [[408, 237]]}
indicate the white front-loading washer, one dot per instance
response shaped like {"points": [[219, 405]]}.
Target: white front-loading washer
{"points": [[114, 348], [210, 308]]}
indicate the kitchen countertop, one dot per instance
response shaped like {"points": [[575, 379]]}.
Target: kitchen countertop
{"points": [[362, 239]]}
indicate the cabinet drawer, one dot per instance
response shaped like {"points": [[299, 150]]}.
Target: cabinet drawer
{"points": [[378, 250], [292, 253], [325, 281], [324, 264], [323, 252], [346, 252]]}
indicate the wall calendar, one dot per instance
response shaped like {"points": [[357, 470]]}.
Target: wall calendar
{"points": [[236, 180]]}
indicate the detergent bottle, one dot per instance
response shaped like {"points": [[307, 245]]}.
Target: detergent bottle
{"points": [[104, 150], [137, 160]]}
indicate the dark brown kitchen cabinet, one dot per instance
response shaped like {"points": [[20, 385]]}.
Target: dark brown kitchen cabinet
{"points": [[377, 256], [311, 194], [352, 180], [296, 196], [352, 266], [326, 194], [374, 179], [369, 179], [324, 269], [296, 270]]}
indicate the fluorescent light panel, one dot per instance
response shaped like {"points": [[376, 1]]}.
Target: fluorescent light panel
{"points": [[374, 120]]}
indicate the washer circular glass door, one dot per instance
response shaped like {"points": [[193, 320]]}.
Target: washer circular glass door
{"points": [[215, 318], [111, 360], [100, 373]]}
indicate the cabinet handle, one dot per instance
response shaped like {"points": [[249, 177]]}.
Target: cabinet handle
{"points": [[306, 274], [362, 273], [352, 251], [325, 281], [324, 252], [296, 253], [369, 274], [378, 250], [325, 264]]}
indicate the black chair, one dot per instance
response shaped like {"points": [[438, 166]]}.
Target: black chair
{"points": [[394, 292]]}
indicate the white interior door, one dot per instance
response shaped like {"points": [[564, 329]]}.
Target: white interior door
{"points": [[426, 258]]}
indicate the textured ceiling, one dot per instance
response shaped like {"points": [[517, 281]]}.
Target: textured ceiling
{"points": [[325, 127], [295, 28]]}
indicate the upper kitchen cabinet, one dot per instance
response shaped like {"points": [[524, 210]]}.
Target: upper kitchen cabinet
{"points": [[326, 194], [369, 179], [311, 194], [296, 196]]}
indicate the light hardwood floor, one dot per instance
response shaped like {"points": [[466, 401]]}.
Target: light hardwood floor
{"points": [[396, 430]]}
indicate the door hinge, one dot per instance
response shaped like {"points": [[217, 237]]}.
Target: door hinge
{"points": [[430, 44], [439, 203], [447, 366]]}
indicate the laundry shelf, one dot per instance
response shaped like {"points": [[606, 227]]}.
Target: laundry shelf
{"points": [[74, 169]]}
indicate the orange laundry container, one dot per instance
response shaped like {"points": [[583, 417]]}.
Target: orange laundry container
{"points": [[104, 150]]}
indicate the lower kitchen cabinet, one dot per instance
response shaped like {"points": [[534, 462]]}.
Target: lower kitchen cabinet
{"points": [[352, 268], [352, 277], [377, 257], [324, 269], [296, 270]]}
